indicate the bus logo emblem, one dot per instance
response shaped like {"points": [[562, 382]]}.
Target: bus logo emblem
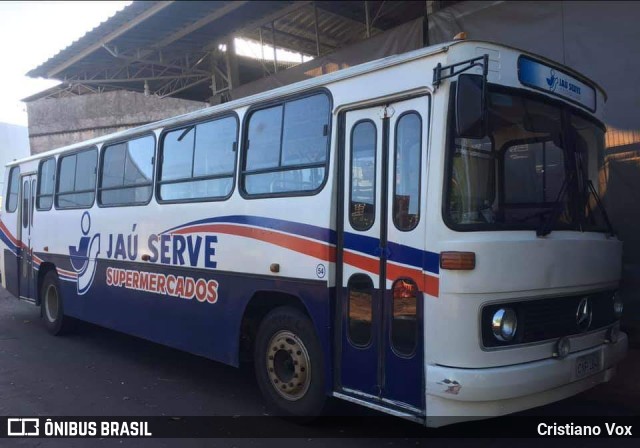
{"points": [[584, 314], [552, 80], [83, 256]]}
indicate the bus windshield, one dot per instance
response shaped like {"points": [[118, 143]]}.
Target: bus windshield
{"points": [[532, 169]]}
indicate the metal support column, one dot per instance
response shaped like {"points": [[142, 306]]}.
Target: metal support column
{"points": [[315, 24], [232, 64], [273, 42], [367, 20]]}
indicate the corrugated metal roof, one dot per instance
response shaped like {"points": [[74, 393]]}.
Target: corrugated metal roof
{"points": [[154, 41], [99, 32]]}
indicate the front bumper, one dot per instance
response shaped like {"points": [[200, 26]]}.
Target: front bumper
{"points": [[455, 394]]}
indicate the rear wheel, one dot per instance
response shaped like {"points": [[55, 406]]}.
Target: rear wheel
{"points": [[52, 306], [289, 364]]}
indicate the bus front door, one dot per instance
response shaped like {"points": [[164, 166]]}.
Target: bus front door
{"points": [[27, 282], [381, 255]]}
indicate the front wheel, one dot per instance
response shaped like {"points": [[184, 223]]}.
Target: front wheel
{"points": [[52, 307], [289, 364]]}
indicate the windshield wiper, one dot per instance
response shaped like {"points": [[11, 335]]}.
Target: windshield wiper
{"points": [[589, 189], [592, 191], [546, 225]]}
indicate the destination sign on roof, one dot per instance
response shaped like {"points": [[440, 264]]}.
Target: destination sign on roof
{"points": [[554, 81]]}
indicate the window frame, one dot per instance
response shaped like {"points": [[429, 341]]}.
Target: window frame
{"points": [[160, 156], [39, 183], [419, 319], [119, 141], [372, 325], [6, 202], [57, 182], [26, 210], [281, 101], [375, 172], [395, 166], [33, 201]]}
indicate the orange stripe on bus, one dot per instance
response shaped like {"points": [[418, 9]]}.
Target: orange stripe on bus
{"points": [[365, 263], [65, 272], [307, 247], [431, 285], [426, 283]]}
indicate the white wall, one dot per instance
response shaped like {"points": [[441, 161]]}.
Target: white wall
{"points": [[14, 144]]}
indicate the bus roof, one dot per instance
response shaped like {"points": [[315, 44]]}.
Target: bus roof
{"points": [[297, 87]]}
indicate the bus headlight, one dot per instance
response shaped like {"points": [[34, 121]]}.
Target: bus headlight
{"points": [[618, 306], [504, 324]]}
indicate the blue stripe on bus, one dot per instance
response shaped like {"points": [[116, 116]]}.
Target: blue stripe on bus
{"points": [[425, 260], [5, 239], [362, 243], [8, 239], [296, 228]]}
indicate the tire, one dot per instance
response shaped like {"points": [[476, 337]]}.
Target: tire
{"points": [[52, 308], [289, 364]]}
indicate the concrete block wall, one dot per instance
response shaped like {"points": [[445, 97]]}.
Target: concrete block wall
{"points": [[56, 122]]}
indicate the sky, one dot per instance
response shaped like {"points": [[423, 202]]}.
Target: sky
{"points": [[32, 32]]}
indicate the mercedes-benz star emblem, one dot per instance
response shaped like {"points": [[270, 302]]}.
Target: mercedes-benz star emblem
{"points": [[584, 314]]}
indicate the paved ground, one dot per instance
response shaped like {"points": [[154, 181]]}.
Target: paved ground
{"points": [[102, 372]]}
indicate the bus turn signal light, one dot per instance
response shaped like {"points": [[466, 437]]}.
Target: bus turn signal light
{"points": [[461, 261], [460, 36]]}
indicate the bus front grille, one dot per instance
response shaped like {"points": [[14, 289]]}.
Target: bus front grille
{"points": [[551, 318]]}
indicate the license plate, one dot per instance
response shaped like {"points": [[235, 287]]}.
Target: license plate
{"points": [[587, 364]]}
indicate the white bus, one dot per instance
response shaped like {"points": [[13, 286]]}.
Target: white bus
{"points": [[418, 234]]}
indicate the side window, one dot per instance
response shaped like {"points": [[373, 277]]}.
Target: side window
{"points": [[127, 172], [77, 179], [26, 192], [362, 203], [198, 162], [360, 289], [13, 187], [46, 178], [33, 201], [286, 147], [472, 185], [406, 186]]}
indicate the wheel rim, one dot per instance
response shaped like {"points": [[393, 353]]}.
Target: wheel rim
{"points": [[288, 365], [51, 303]]}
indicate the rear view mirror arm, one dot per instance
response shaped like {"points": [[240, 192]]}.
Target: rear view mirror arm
{"points": [[439, 72]]}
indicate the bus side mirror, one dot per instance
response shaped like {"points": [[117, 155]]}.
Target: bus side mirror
{"points": [[471, 116]]}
